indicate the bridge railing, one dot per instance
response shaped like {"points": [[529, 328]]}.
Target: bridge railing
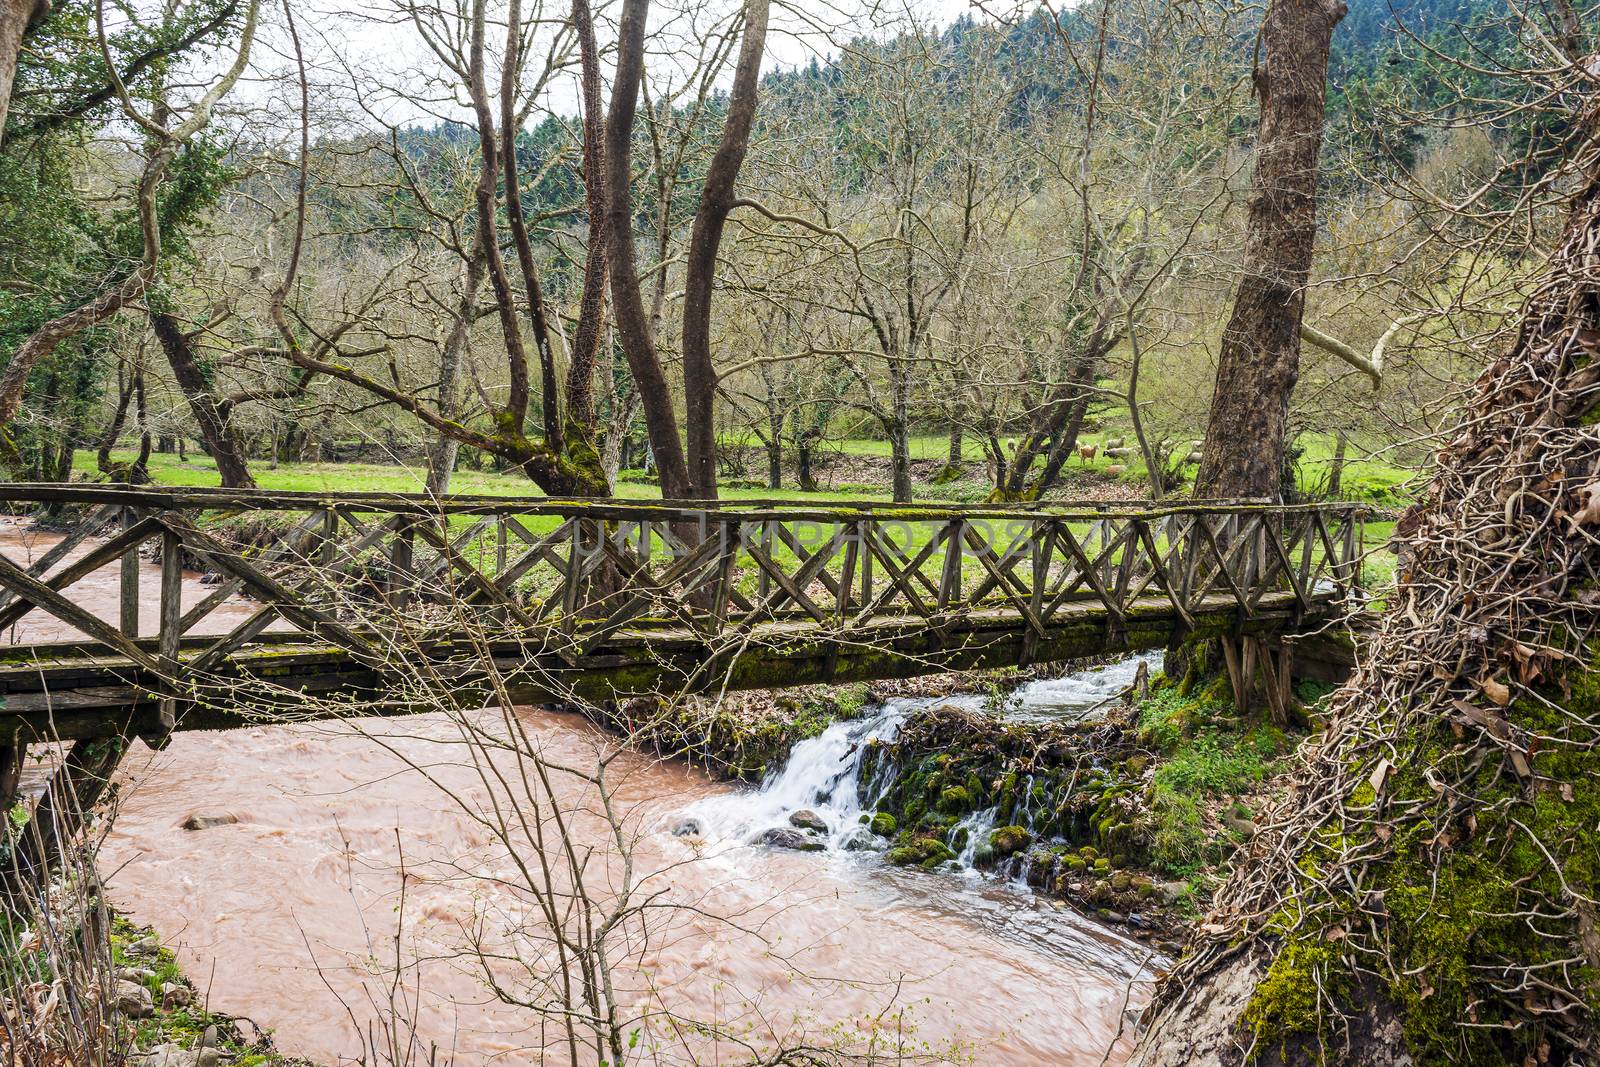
{"points": [[350, 569]]}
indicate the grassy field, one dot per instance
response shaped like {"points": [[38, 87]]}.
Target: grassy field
{"points": [[199, 470], [1374, 479]]}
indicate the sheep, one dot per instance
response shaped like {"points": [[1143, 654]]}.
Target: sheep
{"points": [[1086, 452]]}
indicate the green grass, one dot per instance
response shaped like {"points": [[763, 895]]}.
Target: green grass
{"points": [[1207, 752], [200, 470], [1375, 481]]}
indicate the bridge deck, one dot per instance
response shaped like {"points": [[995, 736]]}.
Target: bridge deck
{"points": [[376, 604]]}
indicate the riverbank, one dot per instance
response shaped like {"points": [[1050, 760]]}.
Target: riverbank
{"points": [[166, 1014]]}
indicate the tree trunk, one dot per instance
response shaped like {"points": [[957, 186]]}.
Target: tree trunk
{"points": [[586, 338], [1428, 891], [1055, 432], [898, 426], [774, 443], [1336, 469], [633, 323], [803, 474], [15, 18], [442, 455], [900, 461], [956, 456], [700, 270], [1260, 357], [216, 428]]}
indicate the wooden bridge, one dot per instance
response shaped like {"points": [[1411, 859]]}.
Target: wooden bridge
{"points": [[359, 603]]}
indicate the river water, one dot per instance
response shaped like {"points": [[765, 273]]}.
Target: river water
{"points": [[349, 853]]}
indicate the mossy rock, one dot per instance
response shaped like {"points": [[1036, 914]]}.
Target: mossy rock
{"points": [[974, 787], [924, 852], [1075, 864], [1102, 866], [1009, 840], [955, 800], [883, 824]]}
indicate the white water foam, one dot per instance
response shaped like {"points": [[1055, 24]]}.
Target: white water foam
{"points": [[823, 775]]}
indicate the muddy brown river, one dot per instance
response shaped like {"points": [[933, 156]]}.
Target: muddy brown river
{"points": [[350, 853]]}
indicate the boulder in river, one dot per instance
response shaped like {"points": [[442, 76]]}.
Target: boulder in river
{"points": [[791, 838], [207, 819], [806, 819], [688, 828]]}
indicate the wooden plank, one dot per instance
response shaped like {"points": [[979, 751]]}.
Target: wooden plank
{"points": [[170, 625], [287, 545], [35, 591], [101, 555], [269, 589], [128, 591], [91, 525]]}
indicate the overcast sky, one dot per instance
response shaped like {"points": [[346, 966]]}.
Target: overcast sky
{"points": [[363, 43]]}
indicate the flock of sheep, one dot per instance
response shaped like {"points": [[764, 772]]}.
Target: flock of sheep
{"points": [[1117, 448]]}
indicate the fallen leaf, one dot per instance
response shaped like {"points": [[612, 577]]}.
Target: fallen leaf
{"points": [[1589, 514], [1380, 774], [1496, 691]]}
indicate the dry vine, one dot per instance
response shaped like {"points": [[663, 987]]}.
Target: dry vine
{"points": [[1430, 886]]}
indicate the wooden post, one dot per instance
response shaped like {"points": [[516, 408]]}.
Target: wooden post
{"points": [[12, 759], [401, 562], [864, 530], [950, 580], [569, 591], [170, 627], [1237, 680], [129, 594]]}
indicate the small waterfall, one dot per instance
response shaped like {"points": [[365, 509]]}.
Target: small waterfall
{"points": [[822, 777], [825, 794], [971, 832]]}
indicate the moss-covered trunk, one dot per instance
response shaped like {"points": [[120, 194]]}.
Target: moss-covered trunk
{"points": [[1428, 891]]}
